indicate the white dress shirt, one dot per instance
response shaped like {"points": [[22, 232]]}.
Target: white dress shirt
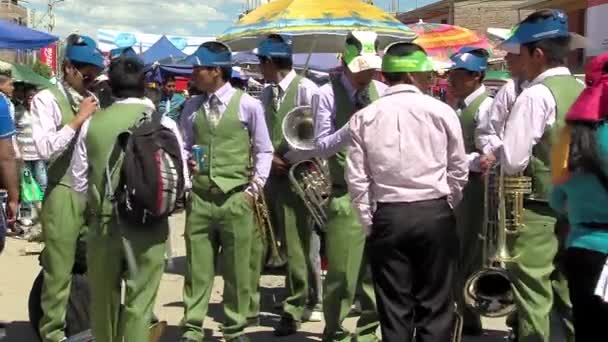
{"points": [[490, 131], [79, 166], [482, 114], [404, 147], [533, 113], [50, 140]]}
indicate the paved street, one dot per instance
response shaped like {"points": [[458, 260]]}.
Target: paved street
{"points": [[19, 265]]}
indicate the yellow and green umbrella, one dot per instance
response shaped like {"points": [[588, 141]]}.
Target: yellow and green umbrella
{"points": [[314, 25]]}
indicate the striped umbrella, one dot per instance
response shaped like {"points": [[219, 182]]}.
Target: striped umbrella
{"points": [[314, 25], [441, 40]]}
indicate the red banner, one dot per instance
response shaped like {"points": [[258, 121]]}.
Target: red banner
{"points": [[48, 56]]}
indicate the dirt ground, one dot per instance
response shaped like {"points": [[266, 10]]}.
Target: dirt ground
{"points": [[19, 266]]}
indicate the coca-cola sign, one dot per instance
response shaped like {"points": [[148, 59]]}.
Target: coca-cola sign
{"points": [[48, 56]]}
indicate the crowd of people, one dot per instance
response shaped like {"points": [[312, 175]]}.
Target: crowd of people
{"points": [[408, 175]]}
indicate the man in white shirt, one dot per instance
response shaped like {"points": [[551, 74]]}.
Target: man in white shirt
{"points": [[543, 42], [466, 83], [57, 114], [406, 168]]}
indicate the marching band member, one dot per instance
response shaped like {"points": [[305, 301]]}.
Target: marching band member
{"points": [[227, 125], [543, 42], [57, 114], [105, 256], [466, 83], [407, 160], [347, 268], [286, 91]]}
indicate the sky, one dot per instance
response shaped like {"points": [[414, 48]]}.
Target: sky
{"points": [[174, 17]]}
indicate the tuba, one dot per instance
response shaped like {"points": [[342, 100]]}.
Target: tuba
{"points": [[309, 178], [489, 291]]}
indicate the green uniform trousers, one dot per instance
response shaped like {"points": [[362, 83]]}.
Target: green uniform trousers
{"points": [[215, 221], [289, 215], [63, 221], [347, 269], [469, 219], [111, 322], [539, 287]]}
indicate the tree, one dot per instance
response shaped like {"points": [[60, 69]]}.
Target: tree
{"points": [[42, 70]]}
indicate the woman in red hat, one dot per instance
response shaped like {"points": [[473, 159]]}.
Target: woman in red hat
{"points": [[580, 178]]}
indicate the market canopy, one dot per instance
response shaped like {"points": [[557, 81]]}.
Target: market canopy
{"points": [[160, 50], [24, 73], [13, 36], [318, 61]]}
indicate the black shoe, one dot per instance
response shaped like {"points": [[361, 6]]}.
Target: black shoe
{"points": [[183, 339], [240, 338], [287, 326], [253, 321]]}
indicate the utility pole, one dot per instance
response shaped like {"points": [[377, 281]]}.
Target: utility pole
{"points": [[51, 13]]}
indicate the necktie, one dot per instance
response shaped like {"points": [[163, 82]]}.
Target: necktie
{"points": [[275, 97], [214, 114], [362, 98]]}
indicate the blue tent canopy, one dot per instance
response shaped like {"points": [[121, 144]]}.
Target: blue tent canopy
{"points": [[13, 36], [318, 61], [162, 49]]}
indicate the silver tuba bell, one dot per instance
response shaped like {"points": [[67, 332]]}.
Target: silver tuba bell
{"points": [[309, 178]]}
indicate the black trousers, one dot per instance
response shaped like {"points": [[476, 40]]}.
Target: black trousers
{"points": [[413, 252], [583, 269]]}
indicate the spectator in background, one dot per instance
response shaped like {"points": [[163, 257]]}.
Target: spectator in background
{"points": [[171, 103], [9, 178], [580, 177], [25, 142]]}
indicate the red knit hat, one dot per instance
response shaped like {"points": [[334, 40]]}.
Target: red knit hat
{"points": [[592, 104]]}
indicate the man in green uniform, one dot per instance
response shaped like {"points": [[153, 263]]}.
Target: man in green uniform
{"points": [[543, 42], [347, 273], [465, 83], [57, 113], [106, 257], [285, 91], [227, 126]]}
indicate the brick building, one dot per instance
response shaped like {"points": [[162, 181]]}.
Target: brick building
{"points": [[11, 10], [476, 15]]}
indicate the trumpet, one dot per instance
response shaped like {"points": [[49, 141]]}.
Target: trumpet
{"points": [[489, 291], [309, 178], [265, 228]]}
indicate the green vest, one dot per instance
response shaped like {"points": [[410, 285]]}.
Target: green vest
{"points": [[274, 118], [228, 145], [469, 123], [104, 128], [565, 90], [345, 108], [57, 171]]}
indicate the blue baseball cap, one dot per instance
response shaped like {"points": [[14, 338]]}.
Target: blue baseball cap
{"points": [[273, 48], [467, 60], [206, 58], [555, 26], [128, 51], [84, 50]]}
